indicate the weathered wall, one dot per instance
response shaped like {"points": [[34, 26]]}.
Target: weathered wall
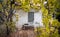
{"points": [[23, 18]]}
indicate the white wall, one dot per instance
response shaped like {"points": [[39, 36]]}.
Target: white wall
{"points": [[23, 18], [38, 19]]}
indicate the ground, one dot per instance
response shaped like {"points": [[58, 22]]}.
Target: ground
{"points": [[23, 33]]}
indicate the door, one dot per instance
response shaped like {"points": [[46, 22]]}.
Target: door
{"points": [[30, 17]]}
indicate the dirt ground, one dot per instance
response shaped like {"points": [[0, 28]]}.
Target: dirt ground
{"points": [[23, 33]]}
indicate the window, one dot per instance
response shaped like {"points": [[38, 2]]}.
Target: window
{"points": [[31, 17]]}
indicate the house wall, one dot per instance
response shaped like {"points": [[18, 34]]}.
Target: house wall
{"points": [[38, 19], [23, 18]]}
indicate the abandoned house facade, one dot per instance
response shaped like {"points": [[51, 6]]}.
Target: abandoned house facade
{"points": [[33, 18]]}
